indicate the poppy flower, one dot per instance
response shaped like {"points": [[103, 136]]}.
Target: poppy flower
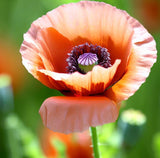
{"points": [[76, 145], [95, 54]]}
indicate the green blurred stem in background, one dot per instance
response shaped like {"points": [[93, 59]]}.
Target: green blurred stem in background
{"points": [[16, 140], [94, 136], [6, 95], [6, 106]]}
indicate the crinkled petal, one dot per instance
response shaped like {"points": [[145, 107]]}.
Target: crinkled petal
{"points": [[32, 61], [78, 22], [142, 57], [44, 50], [54, 48], [76, 114], [94, 82], [108, 28], [124, 37]]}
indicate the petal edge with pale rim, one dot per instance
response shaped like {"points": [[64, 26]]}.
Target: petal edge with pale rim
{"points": [[76, 114], [142, 58], [36, 54], [108, 28], [94, 82]]}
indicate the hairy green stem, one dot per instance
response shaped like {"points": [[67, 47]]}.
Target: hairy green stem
{"points": [[94, 136]]}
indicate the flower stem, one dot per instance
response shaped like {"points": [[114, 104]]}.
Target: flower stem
{"points": [[93, 132]]}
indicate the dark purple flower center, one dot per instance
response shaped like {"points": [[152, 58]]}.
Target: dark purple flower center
{"points": [[83, 57]]}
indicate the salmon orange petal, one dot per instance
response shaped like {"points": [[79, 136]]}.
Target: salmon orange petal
{"points": [[53, 34], [76, 114], [142, 58], [78, 22], [94, 82], [32, 61], [36, 54], [55, 48], [108, 28]]}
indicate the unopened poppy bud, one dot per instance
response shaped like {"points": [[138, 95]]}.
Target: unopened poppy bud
{"points": [[6, 96], [131, 124], [87, 61], [5, 80]]}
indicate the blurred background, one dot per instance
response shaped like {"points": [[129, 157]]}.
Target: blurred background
{"points": [[22, 135]]}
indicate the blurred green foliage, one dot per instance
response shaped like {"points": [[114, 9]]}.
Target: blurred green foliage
{"points": [[21, 141], [16, 17], [60, 147], [156, 145]]}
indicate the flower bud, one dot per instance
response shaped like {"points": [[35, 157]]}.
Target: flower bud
{"points": [[131, 125]]}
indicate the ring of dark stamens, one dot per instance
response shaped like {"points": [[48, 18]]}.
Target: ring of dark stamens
{"points": [[101, 52]]}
